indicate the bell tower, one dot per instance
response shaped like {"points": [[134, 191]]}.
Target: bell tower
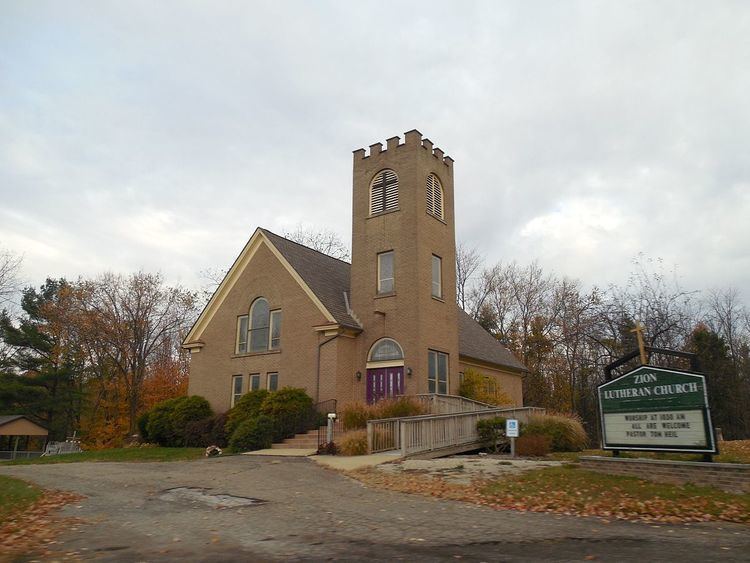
{"points": [[403, 285]]}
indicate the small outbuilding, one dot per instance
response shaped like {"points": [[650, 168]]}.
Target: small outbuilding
{"points": [[17, 429]]}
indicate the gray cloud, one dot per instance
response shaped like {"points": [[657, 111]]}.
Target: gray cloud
{"points": [[160, 135]]}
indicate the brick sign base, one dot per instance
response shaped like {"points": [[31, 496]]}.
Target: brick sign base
{"points": [[730, 477]]}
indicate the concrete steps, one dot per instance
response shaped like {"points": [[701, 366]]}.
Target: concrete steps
{"points": [[307, 440]]}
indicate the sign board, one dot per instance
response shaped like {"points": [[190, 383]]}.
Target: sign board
{"points": [[511, 428], [656, 409]]}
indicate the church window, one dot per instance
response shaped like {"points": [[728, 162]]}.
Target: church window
{"points": [[273, 381], [437, 276], [254, 381], [264, 329], [384, 192], [236, 388], [437, 372], [275, 330], [434, 197], [241, 345], [385, 349], [385, 272]]}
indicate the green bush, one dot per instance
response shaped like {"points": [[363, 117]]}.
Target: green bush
{"points": [[253, 434], [248, 406], [565, 432], [492, 433], [206, 432], [142, 422], [167, 421], [292, 410]]}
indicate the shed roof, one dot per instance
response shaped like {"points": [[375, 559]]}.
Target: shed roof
{"points": [[20, 425]]}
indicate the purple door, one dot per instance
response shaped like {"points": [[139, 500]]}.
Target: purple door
{"points": [[384, 383]]}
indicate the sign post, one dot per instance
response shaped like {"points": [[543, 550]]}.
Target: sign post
{"points": [[511, 431], [656, 409]]}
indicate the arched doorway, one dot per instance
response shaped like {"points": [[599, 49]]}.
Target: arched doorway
{"points": [[385, 370]]}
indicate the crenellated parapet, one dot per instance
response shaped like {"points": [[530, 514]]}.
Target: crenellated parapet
{"points": [[412, 139]]}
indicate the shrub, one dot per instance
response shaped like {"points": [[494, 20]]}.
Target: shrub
{"points": [[354, 416], [401, 406], [248, 406], [167, 421], [206, 432], [482, 388], [353, 443], [565, 432], [253, 434], [533, 445], [142, 422], [492, 433], [292, 410]]}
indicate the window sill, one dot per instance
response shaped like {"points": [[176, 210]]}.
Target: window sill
{"points": [[251, 354], [437, 218], [374, 215], [438, 298], [384, 295]]}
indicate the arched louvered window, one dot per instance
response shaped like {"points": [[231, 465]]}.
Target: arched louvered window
{"points": [[385, 349], [384, 192], [434, 196]]}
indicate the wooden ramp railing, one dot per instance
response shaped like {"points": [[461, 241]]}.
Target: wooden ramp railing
{"points": [[419, 435], [447, 404]]}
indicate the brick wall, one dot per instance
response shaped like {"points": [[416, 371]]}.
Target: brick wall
{"points": [[731, 477]]}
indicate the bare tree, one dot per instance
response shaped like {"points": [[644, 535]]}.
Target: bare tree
{"points": [[468, 261], [10, 264], [137, 317], [325, 241]]}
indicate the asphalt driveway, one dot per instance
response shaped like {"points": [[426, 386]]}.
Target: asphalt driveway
{"points": [[292, 509]]}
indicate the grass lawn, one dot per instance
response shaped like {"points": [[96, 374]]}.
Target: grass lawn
{"points": [[16, 495], [574, 490], [117, 454], [736, 451]]}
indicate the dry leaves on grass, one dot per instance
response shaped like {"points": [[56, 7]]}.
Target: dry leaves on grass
{"points": [[36, 527], [578, 500]]}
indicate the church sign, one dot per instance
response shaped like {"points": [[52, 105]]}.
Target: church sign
{"points": [[656, 409]]}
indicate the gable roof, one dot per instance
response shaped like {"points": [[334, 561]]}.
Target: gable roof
{"points": [[475, 342], [327, 281], [327, 277], [6, 418]]}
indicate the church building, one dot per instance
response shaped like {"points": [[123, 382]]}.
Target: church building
{"points": [[385, 325]]}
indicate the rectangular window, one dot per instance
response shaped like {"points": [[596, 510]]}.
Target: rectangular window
{"points": [[437, 372], [236, 388], [254, 381], [242, 335], [273, 381], [385, 272], [275, 329], [437, 276]]}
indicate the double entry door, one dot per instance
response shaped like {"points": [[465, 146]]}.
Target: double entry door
{"points": [[384, 383]]}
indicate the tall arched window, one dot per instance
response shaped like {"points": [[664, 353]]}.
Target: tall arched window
{"points": [[260, 319], [384, 350], [384, 192], [434, 197]]}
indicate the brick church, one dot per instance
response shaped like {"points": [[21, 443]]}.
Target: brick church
{"points": [[385, 325]]}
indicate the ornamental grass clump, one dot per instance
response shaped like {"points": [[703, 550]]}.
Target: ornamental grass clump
{"points": [[565, 431], [353, 443], [354, 416]]}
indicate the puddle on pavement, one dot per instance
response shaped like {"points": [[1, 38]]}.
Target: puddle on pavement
{"points": [[214, 500]]}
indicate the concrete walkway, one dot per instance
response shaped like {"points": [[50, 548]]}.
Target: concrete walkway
{"points": [[284, 452], [350, 463]]}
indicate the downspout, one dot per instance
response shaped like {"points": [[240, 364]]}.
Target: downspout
{"points": [[317, 381]]}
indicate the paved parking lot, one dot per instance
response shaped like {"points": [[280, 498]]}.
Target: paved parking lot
{"points": [[292, 509]]}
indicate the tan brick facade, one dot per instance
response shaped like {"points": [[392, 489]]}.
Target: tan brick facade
{"points": [[328, 329]]}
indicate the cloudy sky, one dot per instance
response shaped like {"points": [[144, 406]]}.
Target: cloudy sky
{"points": [[159, 135]]}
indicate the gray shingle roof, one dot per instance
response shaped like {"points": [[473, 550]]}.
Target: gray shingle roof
{"points": [[6, 418], [329, 278], [475, 342]]}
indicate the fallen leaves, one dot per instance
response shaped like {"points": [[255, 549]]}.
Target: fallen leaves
{"points": [[36, 527], [575, 492]]}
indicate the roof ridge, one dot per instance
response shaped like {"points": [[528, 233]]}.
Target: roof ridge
{"points": [[305, 246]]}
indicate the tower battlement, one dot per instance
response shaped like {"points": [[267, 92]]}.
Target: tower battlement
{"points": [[412, 139]]}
